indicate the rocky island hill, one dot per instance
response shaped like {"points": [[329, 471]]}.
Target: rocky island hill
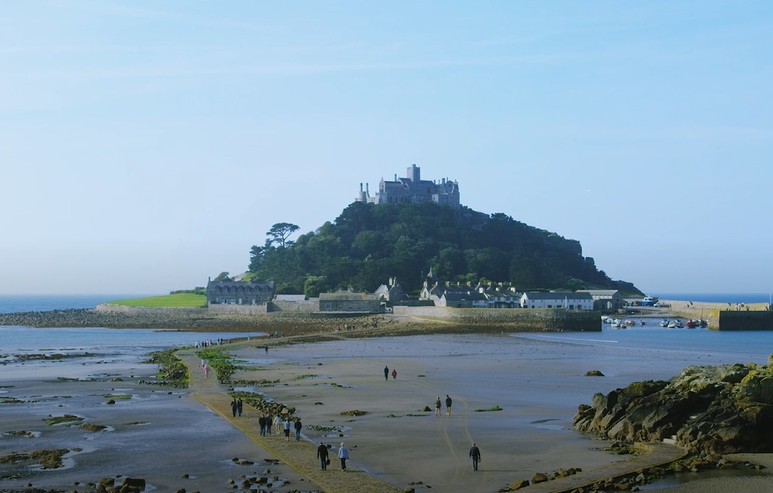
{"points": [[706, 410]]}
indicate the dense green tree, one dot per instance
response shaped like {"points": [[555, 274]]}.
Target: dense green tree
{"points": [[369, 243], [223, 276], [279, 233]]}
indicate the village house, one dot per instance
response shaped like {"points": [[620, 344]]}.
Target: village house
{"points": [[461, 298], [391, 292], [605, 300], [563, 299], [499, 298]]}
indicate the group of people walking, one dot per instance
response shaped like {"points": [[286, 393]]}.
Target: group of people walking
{"points": [[237, 406], [266, 423], [323, 454], [386, 373], [439, 405]]}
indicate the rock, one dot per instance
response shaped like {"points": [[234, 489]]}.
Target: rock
{"points": [[594, 373], [725, 409], [539, 478], [134, 483], [517, 485], [105, 482]]}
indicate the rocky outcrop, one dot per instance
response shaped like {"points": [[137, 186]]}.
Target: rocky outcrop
{"points": [[723, 409]]}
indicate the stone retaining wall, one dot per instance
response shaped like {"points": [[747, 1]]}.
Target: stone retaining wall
{"points": [[107, 308], [552, 319], [743, 320], [305, 306], [225, 309]]}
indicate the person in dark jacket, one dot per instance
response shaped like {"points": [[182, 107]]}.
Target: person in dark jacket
{"points": [[475, 455], [322, 455], [298, 425], [262, 424]]}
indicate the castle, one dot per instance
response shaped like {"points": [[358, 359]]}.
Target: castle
{"points": [[412, 189]]}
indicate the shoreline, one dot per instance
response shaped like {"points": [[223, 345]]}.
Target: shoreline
{"points": [[296, 324], [341, 382]]}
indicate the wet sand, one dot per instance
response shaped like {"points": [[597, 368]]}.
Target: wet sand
{"points": [[514, 396], [159, 434]]}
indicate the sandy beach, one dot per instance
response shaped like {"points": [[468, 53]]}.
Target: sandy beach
{"points": [[513, 395]]}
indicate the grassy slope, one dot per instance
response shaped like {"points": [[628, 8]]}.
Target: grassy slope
{"points": [[180, 300]]}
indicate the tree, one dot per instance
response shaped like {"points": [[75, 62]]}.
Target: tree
{"points": [[222, 277], [315, 285], [257, 254], [279, 233]]}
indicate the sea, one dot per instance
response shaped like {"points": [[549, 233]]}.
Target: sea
{"points": [[123, 346], [714, 347], [45, 303], [732, 298]]}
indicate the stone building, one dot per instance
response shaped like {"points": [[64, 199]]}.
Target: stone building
{"points": [[563, 299], [411, 189], [605, 299], [239, 293], [348, 301], [391, 292]]}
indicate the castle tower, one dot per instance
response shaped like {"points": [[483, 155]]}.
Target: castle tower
{"points": [[413, 173]]}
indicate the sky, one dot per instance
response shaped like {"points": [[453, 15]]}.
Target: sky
{"points": [[145, 146]]}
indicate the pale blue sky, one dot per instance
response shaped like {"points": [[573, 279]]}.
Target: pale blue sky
{"points": [[147, 145]]}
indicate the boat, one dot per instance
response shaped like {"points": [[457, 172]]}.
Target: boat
{"points": [[679, 324], [649, 301], [672, 324], [691, 324], [663, 323]]}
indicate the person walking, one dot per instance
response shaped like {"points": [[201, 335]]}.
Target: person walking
{"points": [[322, 455], [269, 424], [437, 406], [394, 374], [239, 407], [343, 454], [262, 424], [448, 405], [475, 455], [234, 407], [298, 425], [287, 429], [386, 373]]}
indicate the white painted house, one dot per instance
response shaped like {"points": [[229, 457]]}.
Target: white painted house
{"points": [[567, 300]]}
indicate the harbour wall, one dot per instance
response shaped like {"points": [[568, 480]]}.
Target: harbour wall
{"points": [[734, 320], [545, 319]]}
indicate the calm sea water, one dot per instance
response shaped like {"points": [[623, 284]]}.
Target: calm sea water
{"points": [[732, 298], [715, 346], [45, 303]]}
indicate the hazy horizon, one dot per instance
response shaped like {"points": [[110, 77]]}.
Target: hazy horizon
{"points": [[147, 146]]}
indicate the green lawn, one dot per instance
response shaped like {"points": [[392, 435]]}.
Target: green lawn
{"points": [[180, 300]]}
